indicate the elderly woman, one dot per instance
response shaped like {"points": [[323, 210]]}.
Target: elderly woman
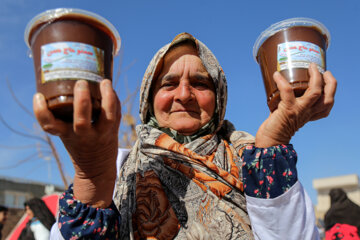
{"points": [[190, 174]]}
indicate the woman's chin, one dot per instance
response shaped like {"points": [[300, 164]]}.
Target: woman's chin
{"points": [[184, 125], [186, 129]]}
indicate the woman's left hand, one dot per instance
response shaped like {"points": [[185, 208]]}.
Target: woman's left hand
{"points": [[293, 113]]}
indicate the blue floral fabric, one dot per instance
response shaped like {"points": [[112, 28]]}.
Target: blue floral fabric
{"points": [[81, 221], [269, 172]]}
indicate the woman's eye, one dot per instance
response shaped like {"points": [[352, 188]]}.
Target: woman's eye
{"points": [[201, 85], [168, 84]]}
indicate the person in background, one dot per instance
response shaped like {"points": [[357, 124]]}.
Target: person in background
{"points": [[321, 228], [342, 220], [3, 217], [40, 220]]}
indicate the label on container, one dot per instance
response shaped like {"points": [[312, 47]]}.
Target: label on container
{"points": [[71, 61], [299, 54]]}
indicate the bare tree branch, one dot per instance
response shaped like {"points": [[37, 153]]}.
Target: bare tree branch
{"points": [[130, 96], [34, 169], [41, 149], [17, 100], [118, 74], [18, 147], [128, 136], [19, 133], [57, 159], [21, 161], [130, 65]]}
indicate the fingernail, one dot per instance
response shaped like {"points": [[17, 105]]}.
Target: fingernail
{"points": [[277, 73], [81, 84], [107, 84], [39, 97]]}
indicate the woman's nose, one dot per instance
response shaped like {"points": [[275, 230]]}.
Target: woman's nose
{"points": [[184, 92]]}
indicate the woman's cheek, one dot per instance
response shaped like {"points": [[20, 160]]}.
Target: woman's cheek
{"points": [[163, 100], [206, 100]]}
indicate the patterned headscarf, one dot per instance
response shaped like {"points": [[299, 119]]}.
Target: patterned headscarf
{"points": [[210, 63], [192, 190]]}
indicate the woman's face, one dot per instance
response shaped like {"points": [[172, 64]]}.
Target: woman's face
{"points": [[3, 217], [29, 212], [184, 95]]}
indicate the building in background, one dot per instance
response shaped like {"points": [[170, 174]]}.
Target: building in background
{"points": [[349, 183], [14, 192]]}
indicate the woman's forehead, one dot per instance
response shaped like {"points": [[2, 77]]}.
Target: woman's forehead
{"points": [[178, 57], [179, 50], [186, 46]]}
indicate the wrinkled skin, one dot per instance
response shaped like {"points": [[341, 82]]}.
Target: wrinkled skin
{"points": [[293, 113], [183, 90], [93, 146]]}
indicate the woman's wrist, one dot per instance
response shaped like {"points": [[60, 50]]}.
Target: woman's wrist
{"points": [[95, 175], [270, 135], [96, 191], [265, 142]]}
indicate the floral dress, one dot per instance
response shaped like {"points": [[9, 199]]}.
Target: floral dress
{"points": [[267, 173]]}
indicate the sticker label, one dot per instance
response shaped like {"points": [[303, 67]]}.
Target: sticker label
{"points": [[71, 61], [299, 54]]}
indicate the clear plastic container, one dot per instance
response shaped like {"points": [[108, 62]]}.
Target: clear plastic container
{"points": [[67, 45], [289, 47]]}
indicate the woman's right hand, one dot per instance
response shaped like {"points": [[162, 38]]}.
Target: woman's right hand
{"points": [[92, 146]]}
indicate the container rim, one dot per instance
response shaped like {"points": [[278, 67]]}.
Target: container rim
{"points": [[49, 15], [287, 23]]}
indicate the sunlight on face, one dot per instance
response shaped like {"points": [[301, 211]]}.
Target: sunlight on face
{"points": [[29, 212], [184, 96]]}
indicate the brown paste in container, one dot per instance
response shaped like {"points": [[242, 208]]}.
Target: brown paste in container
{"points": [[70, 28], [267, 58]]}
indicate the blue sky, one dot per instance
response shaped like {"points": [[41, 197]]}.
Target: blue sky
{"points": [[229, 28]]}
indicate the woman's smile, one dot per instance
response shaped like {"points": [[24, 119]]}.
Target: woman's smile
{"points": [[184, 96], [184, 111]]}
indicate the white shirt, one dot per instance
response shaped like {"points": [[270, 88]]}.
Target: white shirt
{"points": [[39, 230]]}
